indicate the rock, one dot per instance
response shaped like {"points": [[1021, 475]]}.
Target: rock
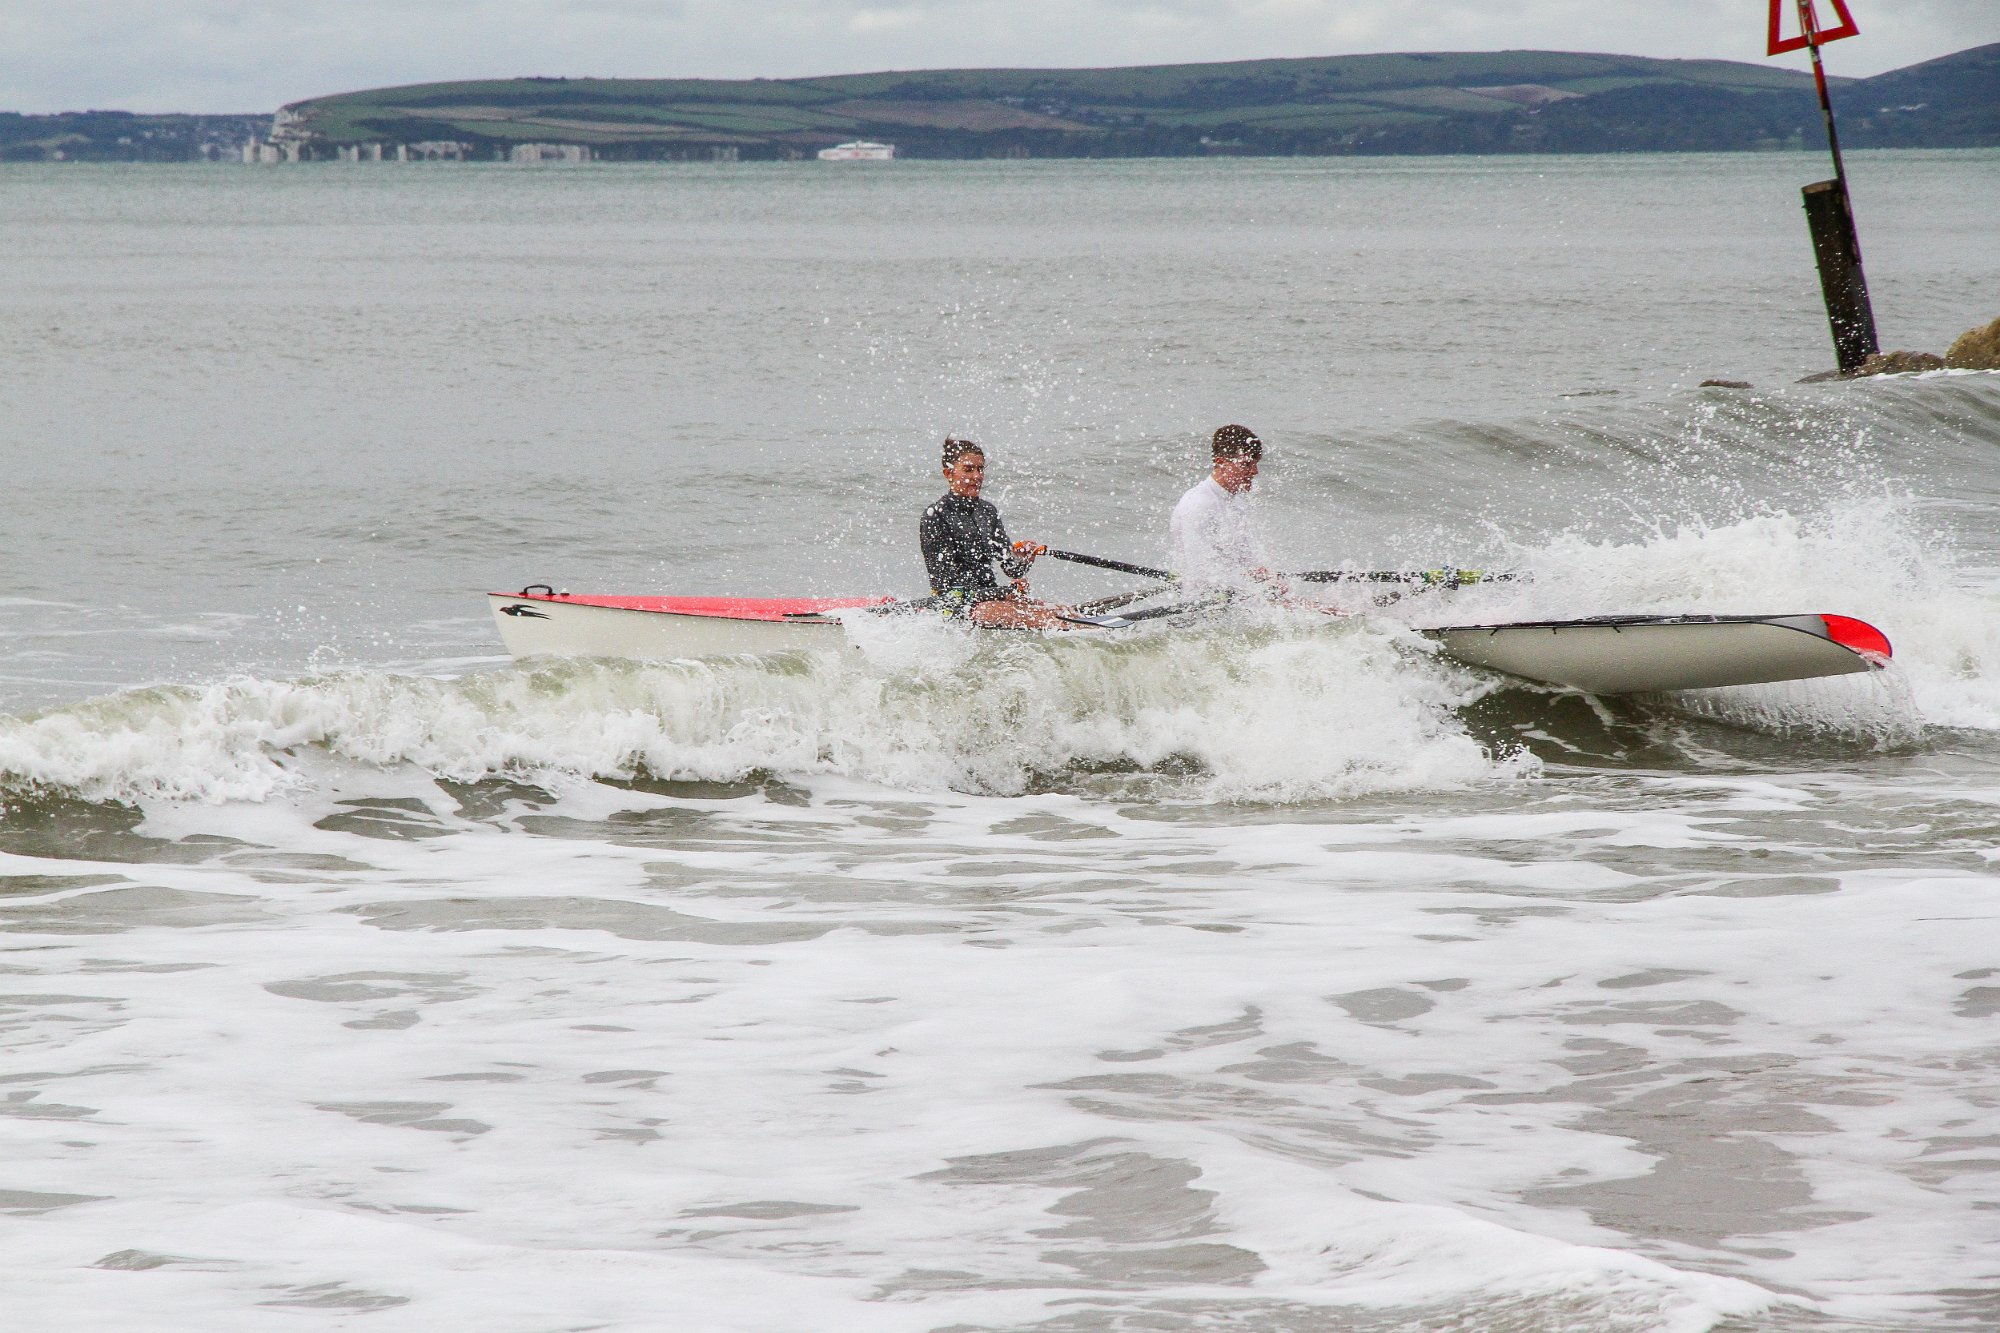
{"points": [[1898, 363], [1976, 349], [1822, 377], [1727, 384]]}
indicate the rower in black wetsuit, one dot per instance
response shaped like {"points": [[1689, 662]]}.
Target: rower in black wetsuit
{"points": [[962, 536]]}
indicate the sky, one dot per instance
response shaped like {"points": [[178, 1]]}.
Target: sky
{"points": [[256, 55]]}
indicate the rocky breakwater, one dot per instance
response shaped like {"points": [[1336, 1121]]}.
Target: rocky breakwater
{"points": [[1976, 349]]}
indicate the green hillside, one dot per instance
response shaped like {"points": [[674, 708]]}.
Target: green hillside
{"points": [[1953, 102], [1481, 102], [1419, 102]]}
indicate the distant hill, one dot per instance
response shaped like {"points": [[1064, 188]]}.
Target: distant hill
{"points": [[1485, 102], [1952, 102], [1492, 102]]}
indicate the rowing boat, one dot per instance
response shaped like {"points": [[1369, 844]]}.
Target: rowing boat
{"points": [[559, 624], [1650, 654], [1600, 655]]}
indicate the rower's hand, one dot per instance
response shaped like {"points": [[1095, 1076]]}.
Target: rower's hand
{"points": [[1273, 582], [1029, 550]]}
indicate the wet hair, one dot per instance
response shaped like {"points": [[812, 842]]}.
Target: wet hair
{"points": [[955, 449], [1237, 442]]}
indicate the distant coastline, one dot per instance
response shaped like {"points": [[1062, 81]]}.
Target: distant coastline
{"points": [[125, 136], [1415, 103]]}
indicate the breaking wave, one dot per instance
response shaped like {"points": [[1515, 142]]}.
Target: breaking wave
{"points": [[1274, 713], [1868, 502]]}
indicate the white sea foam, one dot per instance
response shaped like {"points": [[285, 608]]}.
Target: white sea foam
{"points": [[892, 1062], [1281, 711]]}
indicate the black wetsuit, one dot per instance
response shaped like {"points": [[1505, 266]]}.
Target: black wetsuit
{"points": [[961, 540]]}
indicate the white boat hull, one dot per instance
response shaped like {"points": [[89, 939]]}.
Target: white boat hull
{"points": [[1644, 655], [1607, 655]]}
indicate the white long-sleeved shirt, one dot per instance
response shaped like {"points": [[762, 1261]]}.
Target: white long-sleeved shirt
{"points": [[1215, 542]]}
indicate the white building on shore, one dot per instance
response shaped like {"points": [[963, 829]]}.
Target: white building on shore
{"points": [[858, 150]]}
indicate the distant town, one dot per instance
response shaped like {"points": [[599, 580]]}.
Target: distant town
{"points": [[1479, 103], [122, 136]]}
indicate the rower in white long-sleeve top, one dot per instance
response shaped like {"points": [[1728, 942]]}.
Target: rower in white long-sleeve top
{"points": [[1215, 541]]}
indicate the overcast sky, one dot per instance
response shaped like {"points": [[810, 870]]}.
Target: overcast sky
{"points": [[254, 55]]}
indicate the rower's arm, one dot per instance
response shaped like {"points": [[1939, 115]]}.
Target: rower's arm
{"points": [[1011, 558], [934, 535]]}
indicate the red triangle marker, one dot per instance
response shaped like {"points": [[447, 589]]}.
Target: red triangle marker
{"points": [[1810, 31]]}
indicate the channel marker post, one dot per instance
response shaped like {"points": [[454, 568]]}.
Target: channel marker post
{"points": [[1829, 211]]}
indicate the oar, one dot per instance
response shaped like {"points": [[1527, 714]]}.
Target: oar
{"points": [[1433, 578], [1150, 613], [1098, 606], [1143, 571], [1179, 608], [1444, 578]]}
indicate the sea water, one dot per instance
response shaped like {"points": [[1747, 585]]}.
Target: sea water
{"points": [[1274, 976]]}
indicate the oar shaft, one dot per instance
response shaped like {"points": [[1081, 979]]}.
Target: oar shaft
{"points": [[1450, 578], [1179, 608], [1446, 578], [1099, 605], [1077, 558]]}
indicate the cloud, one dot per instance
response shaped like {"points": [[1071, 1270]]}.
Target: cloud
{"points": [[253, 55]]}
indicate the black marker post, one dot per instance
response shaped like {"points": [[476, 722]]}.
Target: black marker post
{"points": [[1829, 211]]}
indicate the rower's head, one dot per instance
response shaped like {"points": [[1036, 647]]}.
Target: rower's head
{"points": [[1237, 453], [964, 467]]}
